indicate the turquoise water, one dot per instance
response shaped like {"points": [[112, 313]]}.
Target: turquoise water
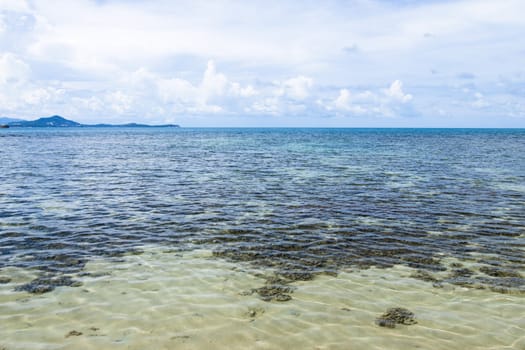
{"points": [[299, 200], [285, 224]]}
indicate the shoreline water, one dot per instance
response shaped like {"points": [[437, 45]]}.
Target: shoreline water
{"points": [[280, 237], [191, 300]]}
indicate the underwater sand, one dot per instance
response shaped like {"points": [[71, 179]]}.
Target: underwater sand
{"points": [[167, 300]]}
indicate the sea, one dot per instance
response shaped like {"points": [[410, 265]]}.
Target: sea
{"points": [[253, 238]]}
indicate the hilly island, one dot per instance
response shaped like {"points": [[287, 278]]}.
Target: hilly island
{"points": [[60, 122]]}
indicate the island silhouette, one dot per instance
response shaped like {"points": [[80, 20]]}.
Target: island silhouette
{"points": [[57, 121]]}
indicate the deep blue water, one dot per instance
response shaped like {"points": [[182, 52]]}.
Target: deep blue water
{"points": [[302, 201]]}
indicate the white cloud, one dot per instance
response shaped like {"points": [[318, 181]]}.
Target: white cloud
{"points": [[282, 97], [480, 101], [267, 105], [18, 93], [14, 5], [177, 90], [297, 88], [13, 70], [214, 89], [17, 90], [347, 102], [119, 102], [40, 96], [237, 90], [213, 84], [395, 92], [386, 102], [141, 59], [92, 104], [117, 31]]}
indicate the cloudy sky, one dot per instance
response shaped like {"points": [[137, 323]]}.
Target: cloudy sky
{"points": [[431, 63]]}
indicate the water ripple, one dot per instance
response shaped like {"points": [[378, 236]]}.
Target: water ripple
{"points": [[299, 201]]}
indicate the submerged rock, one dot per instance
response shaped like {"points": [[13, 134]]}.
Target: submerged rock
{"points": [[396, 315], [46, 284], [499, 272], [462, 272], [4, 280], [424, 276], [274, 292], [297, 275], [73, 333]]}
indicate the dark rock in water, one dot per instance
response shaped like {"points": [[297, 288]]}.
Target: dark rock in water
{"points": [[282, 297], [46, 284], [424, 276], [461, 273], [396, 315], [383, 322], [297, 275], [274, 292], [505, 285], [2, 126], [4, 280], [35, 288], [498, 272], [73, 333]]}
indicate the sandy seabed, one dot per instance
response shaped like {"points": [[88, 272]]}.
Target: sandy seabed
{"points": [[190, 300]]}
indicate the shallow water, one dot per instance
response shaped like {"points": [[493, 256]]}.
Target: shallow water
{"points": [[163, 300], [321, 219]]}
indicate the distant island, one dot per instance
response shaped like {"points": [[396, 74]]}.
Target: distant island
{"points": [[57, 121]]}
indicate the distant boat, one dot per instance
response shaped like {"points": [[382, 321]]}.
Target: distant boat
{"points": [[4, 126]]}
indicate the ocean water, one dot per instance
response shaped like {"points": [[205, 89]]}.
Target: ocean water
{"points": [[168, 238]]}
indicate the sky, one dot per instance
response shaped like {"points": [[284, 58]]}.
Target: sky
{"points": [[352, 63]]}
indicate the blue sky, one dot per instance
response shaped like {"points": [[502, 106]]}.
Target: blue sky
{"points": [[265, 63]]}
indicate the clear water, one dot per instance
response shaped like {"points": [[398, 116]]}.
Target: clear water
{"points": [[441, 210]]}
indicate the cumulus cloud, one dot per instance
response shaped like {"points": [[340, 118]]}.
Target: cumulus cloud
{"points": [[290, 96], [395, 92], [297, 88], [89, 104], [213, 83], [178, 90], [213, 90], [385, 102], [40, 96], [111, 58], [119, 101], [237, 90], [217, 93], [18, 92], [267, 105], [353, 103], [12, 69], [146, 93]]}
